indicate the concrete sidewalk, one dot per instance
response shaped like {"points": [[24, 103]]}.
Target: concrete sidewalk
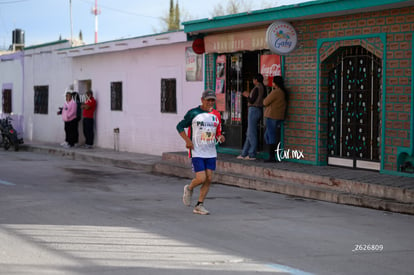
{"points": [[334, 184], [106, 156]]}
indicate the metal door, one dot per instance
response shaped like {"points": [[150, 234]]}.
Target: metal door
{"points": [[354, 108]]}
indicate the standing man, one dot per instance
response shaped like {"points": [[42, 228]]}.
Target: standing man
{"points": [[89, 107], [205, 123]]}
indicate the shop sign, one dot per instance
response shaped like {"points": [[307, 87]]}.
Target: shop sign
{"points": [[250, 40], [281, 38], [221, 74], [193, 65], [220, 82], [198, 46], [270, 67]]}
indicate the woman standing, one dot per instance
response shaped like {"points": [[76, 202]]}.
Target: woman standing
{"points": [[71, 124], [275, 108], [255, 111]]}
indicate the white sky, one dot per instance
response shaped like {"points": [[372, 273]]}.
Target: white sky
{"points": [[44, 21]]}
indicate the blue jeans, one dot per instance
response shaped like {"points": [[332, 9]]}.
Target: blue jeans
{"points": [[272, 133], [250, 145]]}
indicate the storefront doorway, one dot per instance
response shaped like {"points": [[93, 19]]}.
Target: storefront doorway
{"points": [[84, 86], [239, 70], [354, 92]]}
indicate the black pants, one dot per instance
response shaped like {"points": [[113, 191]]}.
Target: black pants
{"points": [[76, 129], [71, 131], [88, 130]]}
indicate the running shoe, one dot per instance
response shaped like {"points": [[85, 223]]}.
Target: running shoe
{"points": [[187, 195], [200, 209]]}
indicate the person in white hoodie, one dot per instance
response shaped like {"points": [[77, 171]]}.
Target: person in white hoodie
{"points": [[69, 117]]}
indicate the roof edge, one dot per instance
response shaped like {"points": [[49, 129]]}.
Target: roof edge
{"points": [[292, 12], [46, 44], [123, 39]]}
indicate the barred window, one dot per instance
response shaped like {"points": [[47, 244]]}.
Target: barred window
{"points": [[7, 101], [41, 99], [116, 96], [168, 95]]}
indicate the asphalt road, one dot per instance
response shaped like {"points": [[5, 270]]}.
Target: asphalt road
{"points": [[60, 216]]}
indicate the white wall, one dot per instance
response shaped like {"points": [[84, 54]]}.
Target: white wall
{"points": [[143, 128], [11, 77], [139, 63], [44, 67]]}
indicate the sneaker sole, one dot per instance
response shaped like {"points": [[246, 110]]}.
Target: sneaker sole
{"points": [[200, 212]]}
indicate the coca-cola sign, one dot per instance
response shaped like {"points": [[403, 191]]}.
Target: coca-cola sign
{"points": [[281, 38], [272, 70], [270, 67]]}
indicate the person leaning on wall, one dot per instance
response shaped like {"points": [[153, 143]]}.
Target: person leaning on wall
{"points": [[275, 111], [89, 107], [76, 98]]}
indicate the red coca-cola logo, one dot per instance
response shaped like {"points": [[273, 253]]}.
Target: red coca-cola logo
{"points": [[272, 70]]}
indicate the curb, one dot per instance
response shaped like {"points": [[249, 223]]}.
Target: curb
{"points": [[256, 177], [324, 188], [133, 161]]}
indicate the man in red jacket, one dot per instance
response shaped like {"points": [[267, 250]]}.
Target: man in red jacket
{"points": [[89, 107]]}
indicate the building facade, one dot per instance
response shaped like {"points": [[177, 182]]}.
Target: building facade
{"points": [[45, 79], [143, 87], [349, 78], [349, 75]]}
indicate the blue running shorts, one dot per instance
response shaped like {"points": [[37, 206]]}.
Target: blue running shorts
{"points": [[202, 164]]}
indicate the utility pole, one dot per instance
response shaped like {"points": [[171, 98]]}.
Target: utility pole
{"points": [[96, 12], [71, 23]]}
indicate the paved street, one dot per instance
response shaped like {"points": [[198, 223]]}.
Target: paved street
{"points": [[60, 216]]}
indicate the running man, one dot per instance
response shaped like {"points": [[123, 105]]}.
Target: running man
{"points": [[204, 125]]}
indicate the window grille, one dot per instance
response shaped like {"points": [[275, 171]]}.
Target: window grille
{"points": [[7, 101], [41, 99], [168, 95], [116, 96]]}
